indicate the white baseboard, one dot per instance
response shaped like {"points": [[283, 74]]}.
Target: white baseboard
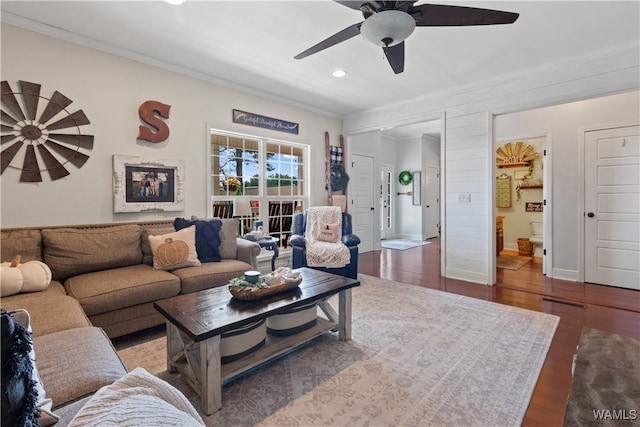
{"points": [[467, 276], [561, 274]]}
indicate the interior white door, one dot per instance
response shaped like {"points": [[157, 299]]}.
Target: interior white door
{"points": [[386, 201], [361, 203], [431, 203], [612, 207]]}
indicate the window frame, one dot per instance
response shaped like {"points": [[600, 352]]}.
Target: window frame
{"points": [[263, 197]]}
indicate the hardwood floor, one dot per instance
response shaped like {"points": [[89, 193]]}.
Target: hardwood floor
{"points": [[577, 304]]}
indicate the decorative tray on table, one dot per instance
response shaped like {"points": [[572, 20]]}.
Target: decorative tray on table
{"points": [[266, 286]]}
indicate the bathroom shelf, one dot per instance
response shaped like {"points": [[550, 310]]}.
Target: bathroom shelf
{"points": [[524, 187]]}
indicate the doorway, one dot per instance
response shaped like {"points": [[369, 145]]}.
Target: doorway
{"points": [[521, 192]]}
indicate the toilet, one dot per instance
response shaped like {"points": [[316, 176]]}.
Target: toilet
{"points": [[537, 238]]}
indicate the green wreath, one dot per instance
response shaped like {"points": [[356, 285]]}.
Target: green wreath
{"points": [[405, 177], [339, 177]]}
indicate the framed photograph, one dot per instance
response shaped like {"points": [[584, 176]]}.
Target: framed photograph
{"points": [[521, 175], [144, 184]]}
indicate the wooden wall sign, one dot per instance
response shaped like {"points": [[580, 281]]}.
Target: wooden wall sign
{"points": [[264, 122], [152, 113], [534, 207], [515, 155], [54, 134]]}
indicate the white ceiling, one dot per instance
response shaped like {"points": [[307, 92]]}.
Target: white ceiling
{"points": [[250, 45]]}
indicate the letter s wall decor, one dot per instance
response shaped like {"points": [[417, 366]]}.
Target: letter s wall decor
{"points": [[149, 112]]}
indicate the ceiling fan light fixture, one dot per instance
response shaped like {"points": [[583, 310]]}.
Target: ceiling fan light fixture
{"points": [[388, 27]]}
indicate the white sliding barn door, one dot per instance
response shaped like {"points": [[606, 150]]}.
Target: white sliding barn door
{"points": [[612, 207]]}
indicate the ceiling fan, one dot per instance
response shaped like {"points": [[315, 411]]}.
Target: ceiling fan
{"points": [[389, 23]]}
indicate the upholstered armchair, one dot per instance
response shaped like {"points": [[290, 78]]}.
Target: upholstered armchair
{"points": [[298, 245]]}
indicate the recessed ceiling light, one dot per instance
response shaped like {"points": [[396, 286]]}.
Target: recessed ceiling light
{"points": [[176, 2], [339, 73]]}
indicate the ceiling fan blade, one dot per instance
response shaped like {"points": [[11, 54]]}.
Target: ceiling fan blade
{"points": [[395, 56], [351, 3], [341, 36], [439, 15]]}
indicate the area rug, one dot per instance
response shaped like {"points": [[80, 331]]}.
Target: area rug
{"points": [[606, 381], [403, 244], [512, 262], [417, 357]]}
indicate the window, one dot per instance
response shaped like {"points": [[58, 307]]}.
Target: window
{"points": [[256, 178]]}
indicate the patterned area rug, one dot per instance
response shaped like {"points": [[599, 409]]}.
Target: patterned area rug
{"points": [[512, 262], [417, 357], [605, 390], [403, 244]]}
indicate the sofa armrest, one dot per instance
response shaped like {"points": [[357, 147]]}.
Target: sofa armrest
{"points": [[248, 251], [297, 241], [350, 240]]}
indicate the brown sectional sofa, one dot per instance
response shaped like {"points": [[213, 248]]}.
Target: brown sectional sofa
{"points": [[103, 286], [108, 268]]}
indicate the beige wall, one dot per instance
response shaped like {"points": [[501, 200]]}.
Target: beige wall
{"points": [[109, 89]]}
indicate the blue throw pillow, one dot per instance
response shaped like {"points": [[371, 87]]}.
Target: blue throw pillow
{"points": [[207, 237]]}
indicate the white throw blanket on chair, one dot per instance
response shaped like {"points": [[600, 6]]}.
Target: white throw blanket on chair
{"points": [[325, 222]]}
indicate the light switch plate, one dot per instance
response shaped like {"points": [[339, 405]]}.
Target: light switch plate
{"points": [[464, 197]]}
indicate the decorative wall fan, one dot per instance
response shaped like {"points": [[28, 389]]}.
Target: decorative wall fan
{"points": [[21, 129], [388, 23], [514, 155]]}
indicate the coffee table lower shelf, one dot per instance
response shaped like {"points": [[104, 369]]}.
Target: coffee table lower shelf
{"points": [[186, 357]]}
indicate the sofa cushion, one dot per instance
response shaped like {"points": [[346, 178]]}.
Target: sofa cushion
{"points": [[175, 250], [207, 237], [26, 243], [152, 230], [75, 363], [228, 235], [210, 274], [51, 310], [109, 290], [71, 251]]}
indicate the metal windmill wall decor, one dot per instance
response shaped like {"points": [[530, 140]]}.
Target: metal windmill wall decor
{"points": [[54, 138]]}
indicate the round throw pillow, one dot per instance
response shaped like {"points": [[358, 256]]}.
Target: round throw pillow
{"points": [[31, 276]]}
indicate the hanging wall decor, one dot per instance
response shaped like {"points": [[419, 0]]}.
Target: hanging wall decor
{"points": [[264, 122], [152, 113], [515, 155], [51, 139], [503, 191], [405, 177], [146, 184]]}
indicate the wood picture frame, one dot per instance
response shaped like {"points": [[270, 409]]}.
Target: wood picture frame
{"points": [[146, 184]]}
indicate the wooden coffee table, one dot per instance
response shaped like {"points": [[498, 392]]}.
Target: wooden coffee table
{"points": [[195, 322]]}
